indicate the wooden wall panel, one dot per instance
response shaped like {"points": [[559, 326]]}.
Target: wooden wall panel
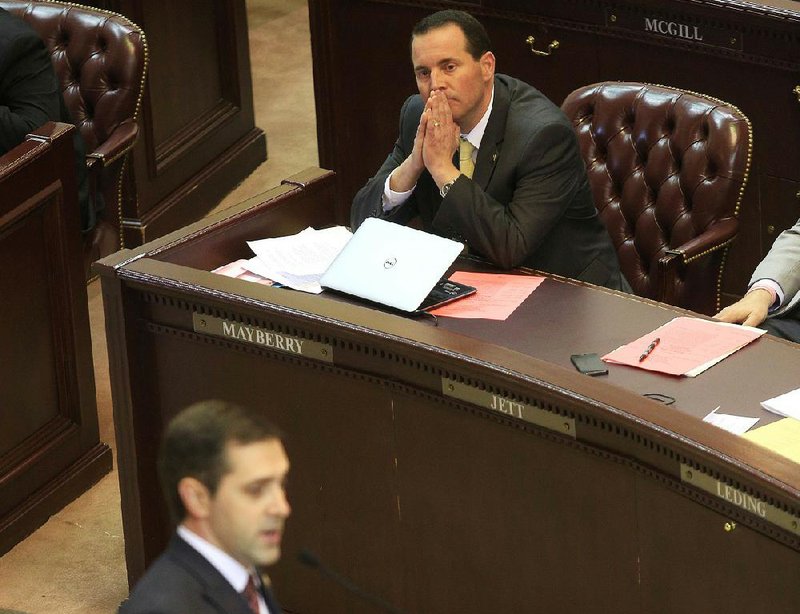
{"points": [[49, 443], [199, 138]]}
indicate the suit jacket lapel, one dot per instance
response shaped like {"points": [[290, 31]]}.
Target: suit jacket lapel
{"points": [[492, 141], [218, 591], [267, 594], [269, 598]]}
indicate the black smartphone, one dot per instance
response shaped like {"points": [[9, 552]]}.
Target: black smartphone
{"points": [[590, 364]]}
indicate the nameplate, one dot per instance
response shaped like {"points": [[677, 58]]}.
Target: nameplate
{"points": [[674, 29], [254, 335], [740, 499], [508, 407]]}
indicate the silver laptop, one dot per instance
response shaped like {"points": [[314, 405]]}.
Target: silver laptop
{"points": [[395, 265]]}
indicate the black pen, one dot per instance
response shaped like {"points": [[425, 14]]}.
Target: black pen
{"points": [[649, 349]]}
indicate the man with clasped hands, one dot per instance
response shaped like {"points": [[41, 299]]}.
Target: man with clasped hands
{"points": [[520, 194]]}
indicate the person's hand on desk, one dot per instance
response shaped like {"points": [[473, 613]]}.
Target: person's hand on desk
{"points": [[750, 310]]}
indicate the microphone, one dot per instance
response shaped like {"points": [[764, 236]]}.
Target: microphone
{"points": [[306, 557]]}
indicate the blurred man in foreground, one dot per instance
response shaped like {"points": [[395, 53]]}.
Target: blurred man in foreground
{"points": [[223, 471]]}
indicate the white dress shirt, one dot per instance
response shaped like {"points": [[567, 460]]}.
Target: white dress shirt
{"points": [[775, 290], [232, 570]]}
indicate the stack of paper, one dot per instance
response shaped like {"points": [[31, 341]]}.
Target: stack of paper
{"points": [[684, 346], [299, 260], [787, 405]]}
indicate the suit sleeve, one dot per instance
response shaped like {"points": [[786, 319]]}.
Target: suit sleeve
{"points": [[547, 178], [368, 201], [28, 90], [782, 264]]}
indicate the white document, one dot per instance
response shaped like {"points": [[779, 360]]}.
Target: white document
{"points": [[733, 424], [785, 405], [299, 260]]}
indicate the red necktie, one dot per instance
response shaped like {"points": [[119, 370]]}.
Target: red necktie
{"points": [[251, 595]]}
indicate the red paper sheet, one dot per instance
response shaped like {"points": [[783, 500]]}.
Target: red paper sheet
{"points": [[686, 346], [497, 296]]}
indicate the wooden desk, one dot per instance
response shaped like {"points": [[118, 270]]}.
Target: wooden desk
{"points": [[576, 495], [49, 442], [746, 53]]}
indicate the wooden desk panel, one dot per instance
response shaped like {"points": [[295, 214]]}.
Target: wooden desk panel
{"points": [[588, 498], [49, 445], [590, 319]]}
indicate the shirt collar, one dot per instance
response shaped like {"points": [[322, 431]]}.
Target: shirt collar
{"points": [[232, 570], [475, 136]]}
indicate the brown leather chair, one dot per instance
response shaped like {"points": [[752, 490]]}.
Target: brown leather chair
{"points": [[101, 59], [667, 170]]}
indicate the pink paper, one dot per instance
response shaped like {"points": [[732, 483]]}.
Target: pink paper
{"points": [[497, 296], [686, 346], [237, 270]]}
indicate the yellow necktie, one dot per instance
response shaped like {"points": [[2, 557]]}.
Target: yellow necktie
{"points": [[465, 163]]}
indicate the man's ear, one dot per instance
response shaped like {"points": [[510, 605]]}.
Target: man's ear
{"points": [[195, 497], [487, 65]]}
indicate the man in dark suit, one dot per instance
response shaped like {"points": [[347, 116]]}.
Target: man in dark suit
{"points": [[30, 96], [520, 195], [223, 470]]}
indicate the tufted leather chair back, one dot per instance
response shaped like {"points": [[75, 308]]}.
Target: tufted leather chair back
{"points": [[667, 170], [100, 58]]}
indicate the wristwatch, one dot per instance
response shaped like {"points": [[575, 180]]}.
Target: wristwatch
{"points": [[446, 188]]}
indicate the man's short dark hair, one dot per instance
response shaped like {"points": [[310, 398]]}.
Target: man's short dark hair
{"points": [[194, 445], [478, 41]]}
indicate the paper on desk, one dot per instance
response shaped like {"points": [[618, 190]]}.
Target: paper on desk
{"points": [[238, 269], [308, 283], [497, 296], [687, 346], [787, 404], [782, 437], [299, 260], [733, 424]]}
